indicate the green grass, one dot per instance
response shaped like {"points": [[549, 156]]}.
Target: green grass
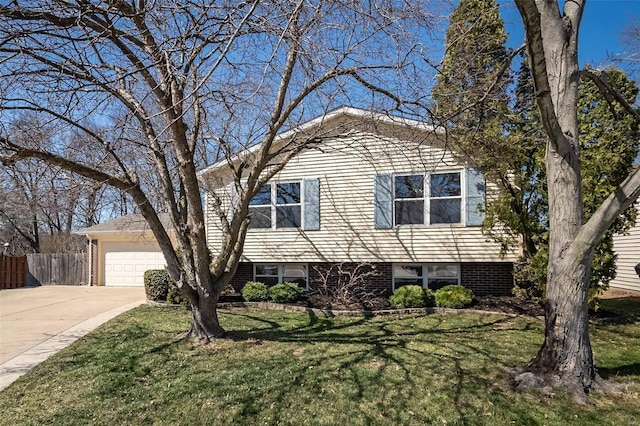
{"points": [[627, 306], [283, 368]]}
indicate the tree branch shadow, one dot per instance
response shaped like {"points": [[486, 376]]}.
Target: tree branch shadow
{"points": [[620, 371], [388, 344]]}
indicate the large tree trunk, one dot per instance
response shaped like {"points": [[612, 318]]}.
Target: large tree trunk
{"points": [[566, 353], [565, 356], [205, 325], [204, 296], [204, 309]]}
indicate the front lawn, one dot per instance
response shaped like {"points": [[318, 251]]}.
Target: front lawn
{"points": [[284, 368]]}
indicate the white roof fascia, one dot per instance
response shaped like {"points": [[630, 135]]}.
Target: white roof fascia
{"points": [[113, 231], [118, 231]]}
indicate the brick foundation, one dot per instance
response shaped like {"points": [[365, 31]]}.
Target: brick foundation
{"points": [[490, 278], [484, 278], [378, 284], [244, 274]]}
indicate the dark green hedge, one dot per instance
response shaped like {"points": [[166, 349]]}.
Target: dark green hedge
{"points": [[156, 284]]}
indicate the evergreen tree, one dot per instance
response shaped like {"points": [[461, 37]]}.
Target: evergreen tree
{"points": [[610, 141], [467, 99], [609, 144], [472, 100], [521, 204]]}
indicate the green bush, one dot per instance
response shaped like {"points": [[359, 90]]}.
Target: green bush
{"points": [[254, 292], [156, 284], [412, 296], [174, 297], [453, 296], [285, 292]]}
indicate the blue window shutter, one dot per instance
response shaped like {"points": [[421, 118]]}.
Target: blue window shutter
{"points": [[383, 201], [311, 204], [475, 197]]}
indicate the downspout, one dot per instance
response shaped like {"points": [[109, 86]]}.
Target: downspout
{"points": [[90, 280]]}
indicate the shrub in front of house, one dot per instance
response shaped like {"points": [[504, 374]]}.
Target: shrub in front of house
{"points": [[453, 296], [412, 296], [254, 291], [156, 284], [285, 292], [174, 297]]}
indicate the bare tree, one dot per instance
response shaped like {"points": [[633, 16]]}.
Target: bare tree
{"points": [[43, 203], [175, 82], [343, 285], [18, 211], [566, 358], [629, 59]]}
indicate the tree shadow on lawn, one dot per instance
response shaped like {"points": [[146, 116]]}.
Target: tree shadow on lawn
{"points": [[316, 328], [378, 366], [112, 350], [628, 309], [398, 345], [382, 361], [621, 371]]}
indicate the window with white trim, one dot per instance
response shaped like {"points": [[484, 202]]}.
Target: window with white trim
{"points": [[407, 275], [445, 198], [440, 204], [277, 205], [409, 199], [440, 275], [274, 273], [288, 205], [267, 274], [432, 275], [260, 209]]}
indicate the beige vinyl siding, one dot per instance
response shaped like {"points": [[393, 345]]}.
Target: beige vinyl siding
{"points": [[627, 247], [346, 167]]}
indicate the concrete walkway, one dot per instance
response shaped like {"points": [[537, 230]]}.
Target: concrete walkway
{"points": [[37, 322]]}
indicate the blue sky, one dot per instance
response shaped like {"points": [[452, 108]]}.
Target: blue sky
{"points": [[601, 31]]}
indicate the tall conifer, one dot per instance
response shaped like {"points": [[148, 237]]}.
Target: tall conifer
{"points": [[469, 97]]}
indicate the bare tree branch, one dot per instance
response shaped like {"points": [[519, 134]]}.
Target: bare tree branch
{"points": [[610, 94]]}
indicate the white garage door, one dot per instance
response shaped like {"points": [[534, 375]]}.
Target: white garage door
{"points": [[125, 264]]}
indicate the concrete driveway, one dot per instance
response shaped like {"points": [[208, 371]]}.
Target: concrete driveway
{"points": [[36, 322]]}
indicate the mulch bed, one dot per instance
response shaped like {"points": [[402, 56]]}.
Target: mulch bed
{"points": [[503, 304], [510, 305]]}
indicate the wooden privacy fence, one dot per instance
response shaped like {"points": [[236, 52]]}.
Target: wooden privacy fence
{"points": [[56, 269], [13, 272]]}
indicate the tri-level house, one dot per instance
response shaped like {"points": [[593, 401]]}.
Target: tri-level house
{"points": [[376, 189]]}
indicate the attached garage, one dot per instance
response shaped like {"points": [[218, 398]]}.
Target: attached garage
{"points": [[125, 263], [121, 250]]}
